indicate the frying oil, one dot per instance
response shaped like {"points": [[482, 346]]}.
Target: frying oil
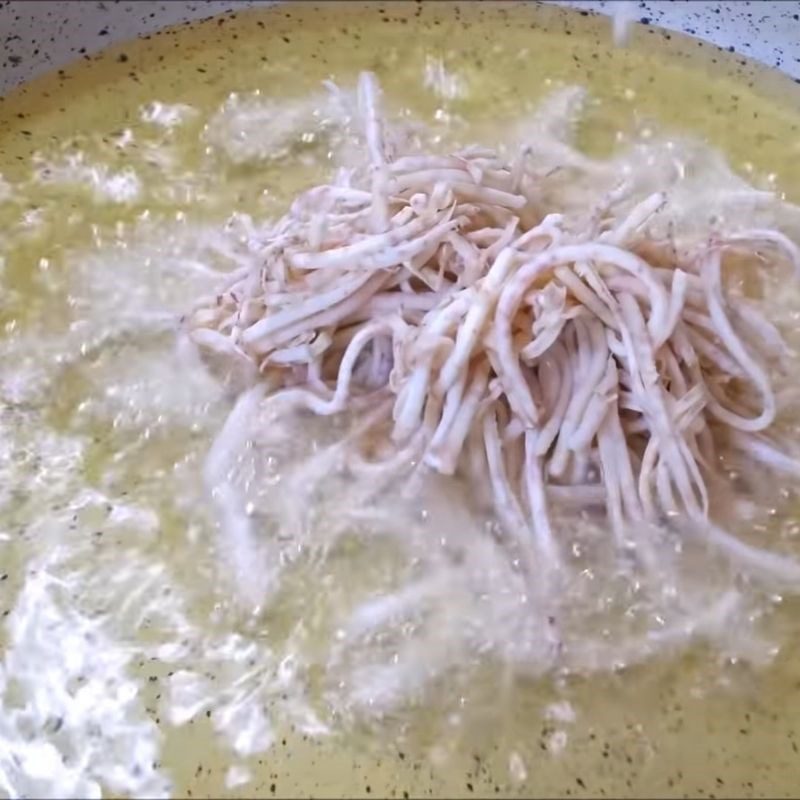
{"points": [[125, 667]]}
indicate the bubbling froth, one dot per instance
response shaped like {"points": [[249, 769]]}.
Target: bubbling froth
{"points": [[562, 338]]}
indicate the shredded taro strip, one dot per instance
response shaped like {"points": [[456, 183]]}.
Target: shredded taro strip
{"points": [[553, 367]]}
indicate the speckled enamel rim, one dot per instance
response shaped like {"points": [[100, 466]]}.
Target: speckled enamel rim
{"points": [[39, 36]]}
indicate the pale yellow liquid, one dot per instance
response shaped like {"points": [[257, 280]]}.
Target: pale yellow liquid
{"points": [[690, 726]]}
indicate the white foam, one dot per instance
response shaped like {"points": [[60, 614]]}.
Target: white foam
{"points": [[443, 82], [561, 711], [237, 775], [252, 127], [73, 723], [104, 183], [167, 115], [189, 694]]}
